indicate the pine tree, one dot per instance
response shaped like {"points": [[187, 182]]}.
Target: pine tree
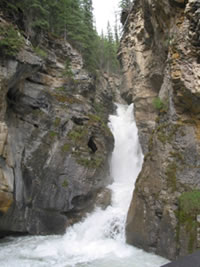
{"points": [[90, 35], [71, 20], [116, 30]]}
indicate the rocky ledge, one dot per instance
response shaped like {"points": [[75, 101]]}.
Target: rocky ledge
{"points": [[54, 140]]}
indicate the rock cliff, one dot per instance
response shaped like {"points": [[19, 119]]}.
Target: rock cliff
{"points": [[54, 140], [160, 52]]}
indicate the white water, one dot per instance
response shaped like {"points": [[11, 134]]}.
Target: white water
{"points": [[98, 241]]}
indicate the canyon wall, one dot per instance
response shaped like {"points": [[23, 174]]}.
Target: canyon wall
{"points": [[159, 55], [54, 141]]}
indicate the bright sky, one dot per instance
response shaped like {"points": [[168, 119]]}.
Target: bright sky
{"points": [[104, 11]]}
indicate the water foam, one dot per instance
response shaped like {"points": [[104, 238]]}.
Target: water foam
{"points": [[99, 240]]}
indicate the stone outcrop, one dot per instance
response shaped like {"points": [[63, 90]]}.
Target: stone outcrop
{"points": [[160, 58], [54, 140]]}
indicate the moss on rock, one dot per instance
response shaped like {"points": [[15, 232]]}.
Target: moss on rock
{"points": [[189, 208], [171, 175]]}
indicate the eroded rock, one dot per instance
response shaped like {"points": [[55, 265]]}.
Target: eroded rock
{"points": [[54, 139], [159, 54]]}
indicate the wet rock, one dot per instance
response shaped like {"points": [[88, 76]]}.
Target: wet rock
{"points": [[103, 199]]}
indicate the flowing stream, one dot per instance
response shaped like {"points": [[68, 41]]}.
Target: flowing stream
{"points": [[98, 241]]}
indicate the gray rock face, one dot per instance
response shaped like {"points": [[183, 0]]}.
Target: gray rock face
{"points": [[159, 54], [54, 140]]}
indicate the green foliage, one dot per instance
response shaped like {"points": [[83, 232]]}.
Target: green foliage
{"points": [[71, 20], [171, 175], [94, 118], [10, 40], [159, 104], [65, 183], [189, 202], [52, 134], [166, 132], [106, 52], [40, 52], [78, 134], [189, 208], [90, 163], [68, 71], [100, 110], [66, 147]]}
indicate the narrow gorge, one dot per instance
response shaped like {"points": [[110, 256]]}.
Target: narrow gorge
{"points": [[56, 144]]}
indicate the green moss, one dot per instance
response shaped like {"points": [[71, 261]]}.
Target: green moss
{"points": [[78, 134], [66, 147], [150, 143], [40, 52], [190, 202], [162, 138], [192, 240], [190, 225], [60, 89], [189, 208], [68, 68], [94, 162], [177, 155], [53, 134], [162, 133], [10, 40], [66, 99], [100, 109], [94, 118], [171, 175], [159, 105], [166, 132], [65, 183]]}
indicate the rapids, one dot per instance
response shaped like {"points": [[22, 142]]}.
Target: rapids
{"points": [[99, 240]]}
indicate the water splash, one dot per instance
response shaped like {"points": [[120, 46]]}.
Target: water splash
{"points": [[99, 240]]}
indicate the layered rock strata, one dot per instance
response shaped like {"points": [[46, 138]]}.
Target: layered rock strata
{"points": [[54, 140], [160, 58]]}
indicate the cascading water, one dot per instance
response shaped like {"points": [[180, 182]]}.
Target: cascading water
{"points": [[100, 239]]}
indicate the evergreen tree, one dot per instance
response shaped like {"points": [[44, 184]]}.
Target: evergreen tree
{"points": [[90, 35], [71, 20], [116, 31]]}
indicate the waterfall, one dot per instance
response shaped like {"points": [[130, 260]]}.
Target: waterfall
{"points": [[98, 241]]}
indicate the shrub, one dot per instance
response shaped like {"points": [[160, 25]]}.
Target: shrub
{"points": [[52, 134], [68, 70], [189, 208], [10, 40], [159, 104], [189, 202], [40, 52]]}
